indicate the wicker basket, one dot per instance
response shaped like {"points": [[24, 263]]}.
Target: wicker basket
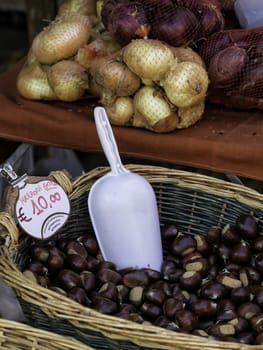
{"points": [[15, 335], [195, 202]]}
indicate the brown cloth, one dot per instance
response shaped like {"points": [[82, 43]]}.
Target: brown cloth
{"points": [[225, 140]]}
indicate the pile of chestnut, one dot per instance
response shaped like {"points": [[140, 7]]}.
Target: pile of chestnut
{"points": [[210, 284]]}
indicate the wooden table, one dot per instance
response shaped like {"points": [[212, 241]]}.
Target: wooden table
{"points": [[226, 141]]}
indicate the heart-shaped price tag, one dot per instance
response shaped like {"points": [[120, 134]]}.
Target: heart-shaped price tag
{"points": [[42, 208]]}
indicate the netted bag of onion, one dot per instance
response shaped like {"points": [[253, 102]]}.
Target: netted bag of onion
{"points": [[152, 85], [234, 60]]}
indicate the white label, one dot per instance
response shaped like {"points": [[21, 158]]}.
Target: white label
{"points": [[42, 208]]}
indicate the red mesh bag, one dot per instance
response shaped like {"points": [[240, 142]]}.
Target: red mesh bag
{"points": [[234, 60]]}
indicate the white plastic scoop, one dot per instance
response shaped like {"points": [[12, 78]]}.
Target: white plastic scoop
{"points": [[123, 210]]}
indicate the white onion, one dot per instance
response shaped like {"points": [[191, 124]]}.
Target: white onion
{"points": [[152, 111], [61, 38], [186, 84], [149, 59], [121, 111], [32, 83], [68, 80], [190, 115]]}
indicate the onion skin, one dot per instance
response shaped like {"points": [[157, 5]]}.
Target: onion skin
{"points": [[68, 80], [177, 26], [61, 39], [251, 83], [153, 111], [186, 84], [149, 59], [190, 115], [32, 83], [114, 76], [128, 21], [226, 66], [120, 111], [186, 54]]}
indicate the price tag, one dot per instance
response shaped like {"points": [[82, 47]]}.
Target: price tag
{"points": [[42, 208]]}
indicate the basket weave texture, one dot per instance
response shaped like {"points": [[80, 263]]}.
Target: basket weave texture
{"points": [[15, 335], [194, 202]]}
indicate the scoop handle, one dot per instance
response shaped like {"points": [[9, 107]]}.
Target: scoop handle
{"points": [[107, 140]]}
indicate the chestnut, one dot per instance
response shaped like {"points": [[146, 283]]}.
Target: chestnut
{"points": [[104, 305], [75, 247], [171, 306], [69, 279], [240, 324], [152, 274], [240, 295], [202, 245], [132, 316], [183, 244], [226, 316], [90, 243], [106, 265], [109, 290], [221, 330], [258, 296], [259, 339], [224, 252], [246, 338], [248, 310], [135, 295], [164, 286], [257, 244], [170, 272], [229, 280], [248, 226], [108, 275], [169, 231], [213, 290], [190, 280], [37, 267], [126, 309], [204, 308], [150, 311], [137, 277], [78, 294], [186, 320], [164, 322], [200, 333], [55, 261], [39, 253], [154, 295], [224, 305], [259, 262], [123, 293], [257, 323], [232, 267], [92, 263], [88, 280], [241, 253], [229, 235], [199, 264], [213, 235], [76, 262]]}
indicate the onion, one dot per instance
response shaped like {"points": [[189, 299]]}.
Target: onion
{"points": [[226, 66], [149, 59], [121, 111], [186, 54], [153, 111], [190, 115], [115, 76], [128, 22], [68, 80], [32, 83], [251, 83], [81, 7], [61, 38], [107, 9], [186, 84], [216, 42], [211, 20], [178, 26]]}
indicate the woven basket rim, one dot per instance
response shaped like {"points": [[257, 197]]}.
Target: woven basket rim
{"points": [[116, 328]]}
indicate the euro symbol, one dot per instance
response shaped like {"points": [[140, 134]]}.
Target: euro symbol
{"points": [[22, 217]]}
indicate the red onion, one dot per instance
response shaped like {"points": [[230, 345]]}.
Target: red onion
{"points": [[216, 42], [128, 21], [211, 21], [177, 26], [226, 66], [107, 9], [252, 79]]}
